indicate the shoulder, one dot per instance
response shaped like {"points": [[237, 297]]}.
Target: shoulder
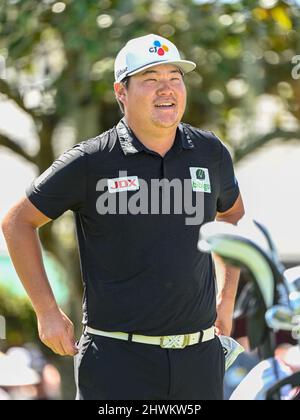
{"points": [[201, 134], [204, 139], [96, 150], [103, 143], [79, 157]]}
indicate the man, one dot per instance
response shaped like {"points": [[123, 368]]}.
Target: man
{"points": [[149, 301]]}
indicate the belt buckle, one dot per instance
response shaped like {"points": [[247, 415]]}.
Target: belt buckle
{"points": [[174, 341]]}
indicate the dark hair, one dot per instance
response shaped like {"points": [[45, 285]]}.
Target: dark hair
{"points": [[125, 82]]}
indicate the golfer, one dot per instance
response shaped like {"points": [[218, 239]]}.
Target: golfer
{"points": [[139, 193]]}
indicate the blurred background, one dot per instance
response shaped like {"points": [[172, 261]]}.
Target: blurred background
{"points": [[56, 77]]}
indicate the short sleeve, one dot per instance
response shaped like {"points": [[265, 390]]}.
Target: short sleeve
{"points": [[229, 188], [62, 186]]}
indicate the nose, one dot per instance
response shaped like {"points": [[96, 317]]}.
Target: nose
{"points": [[164, 88]]}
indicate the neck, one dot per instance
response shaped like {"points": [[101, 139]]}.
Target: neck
{"points": [[158, 139]]}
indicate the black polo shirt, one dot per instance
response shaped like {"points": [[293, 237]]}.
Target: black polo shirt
{"points": [[141, 272]]}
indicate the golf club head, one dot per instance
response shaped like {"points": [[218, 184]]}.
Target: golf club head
{"points": [[244, 245], [292, 281], [280, 317], [232, 349], [294, 299]]}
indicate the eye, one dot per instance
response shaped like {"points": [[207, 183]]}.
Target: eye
{"points": [[150, 80]]}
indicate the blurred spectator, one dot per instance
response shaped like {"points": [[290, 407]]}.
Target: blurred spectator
{"points": [[254, 386], [50, 385], [26, 375], [17, 379]]}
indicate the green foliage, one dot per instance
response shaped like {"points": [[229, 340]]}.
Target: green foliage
{"points": [[20, 319], [239, 40]]}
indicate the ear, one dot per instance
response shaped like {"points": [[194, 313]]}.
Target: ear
{"points": [[120, 91]]}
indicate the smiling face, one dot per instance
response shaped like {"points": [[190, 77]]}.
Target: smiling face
{"points": [[155, 97]]}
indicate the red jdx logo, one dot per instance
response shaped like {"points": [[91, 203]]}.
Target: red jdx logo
{"points": [[124, 183]]}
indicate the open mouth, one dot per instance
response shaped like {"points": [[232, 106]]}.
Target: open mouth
{"points": [[165, 105]]}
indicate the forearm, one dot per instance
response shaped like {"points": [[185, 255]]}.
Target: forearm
{"points": [[227, 278], [25, 251]]}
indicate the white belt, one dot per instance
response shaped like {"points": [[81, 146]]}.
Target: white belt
{"points": [[166, 342]]}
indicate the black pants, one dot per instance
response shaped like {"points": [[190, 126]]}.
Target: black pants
{"points": [[111, 369]]}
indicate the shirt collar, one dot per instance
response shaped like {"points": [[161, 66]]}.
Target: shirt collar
{"points": [[186, 140], [128, 141], [131, 145]]}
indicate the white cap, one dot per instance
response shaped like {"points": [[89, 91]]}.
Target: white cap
{"points": [[14, 371], [148, 51]]}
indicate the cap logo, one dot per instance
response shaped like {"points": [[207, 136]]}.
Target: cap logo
{"points": [[121, 71], [158, 48]]}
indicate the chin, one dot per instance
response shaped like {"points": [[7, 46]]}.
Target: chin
{"points": [[166, 123]]}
